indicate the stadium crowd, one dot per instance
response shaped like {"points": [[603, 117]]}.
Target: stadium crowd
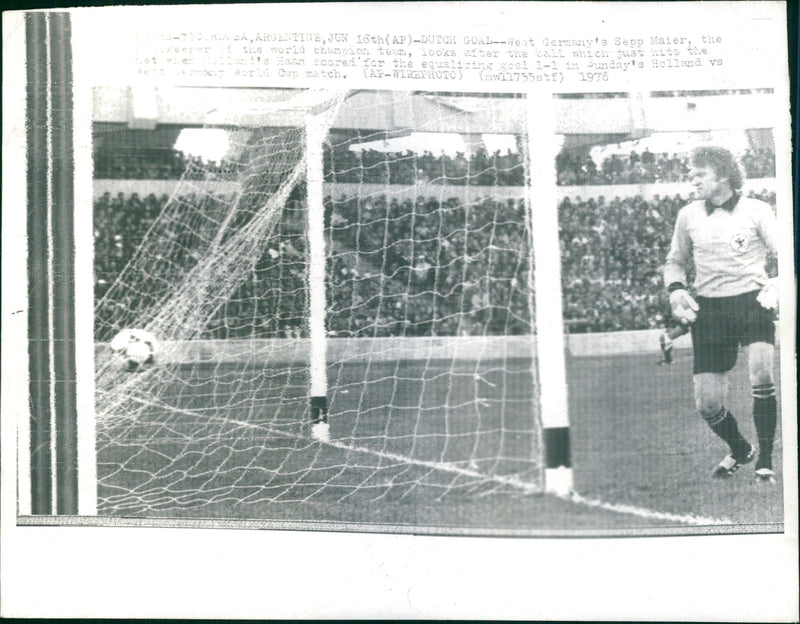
{"points": [[120, 224], [611, 253], [425, 268], [138, 164], [647, 167], [341, 165], [480, 168], [158, 164]]}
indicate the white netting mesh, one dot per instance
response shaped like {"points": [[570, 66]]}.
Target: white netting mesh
{"points": [[432, 387]]}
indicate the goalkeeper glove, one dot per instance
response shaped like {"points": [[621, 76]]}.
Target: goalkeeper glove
{"points": [[684, 307], [768, 297]]}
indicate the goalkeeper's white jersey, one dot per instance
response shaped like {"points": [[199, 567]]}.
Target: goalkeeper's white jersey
{"points": [[729, 247]]}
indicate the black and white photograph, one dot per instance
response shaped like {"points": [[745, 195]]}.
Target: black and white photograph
{"points": [[458, 306], [641, 277], [324, 312]]}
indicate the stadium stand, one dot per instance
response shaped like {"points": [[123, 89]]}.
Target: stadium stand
{"points": [[479, 168], [647, 168], [611, 255]]}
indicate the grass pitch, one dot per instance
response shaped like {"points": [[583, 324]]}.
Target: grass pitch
{"points": [[639, 453]]}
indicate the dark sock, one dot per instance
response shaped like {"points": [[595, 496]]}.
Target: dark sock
{"points": [[725, 426], [765, 418]]}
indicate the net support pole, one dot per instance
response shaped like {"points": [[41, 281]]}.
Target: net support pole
{"points": [[542, 148], [63, 224], [55, 465], [315, 135], [36, 471]]}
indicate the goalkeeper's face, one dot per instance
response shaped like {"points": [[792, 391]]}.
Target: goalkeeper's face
{"points": [[707, 184]]}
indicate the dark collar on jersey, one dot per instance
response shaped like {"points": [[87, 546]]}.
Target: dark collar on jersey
{"points": [[728, 205]]}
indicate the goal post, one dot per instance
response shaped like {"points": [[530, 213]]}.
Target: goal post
{"points": [[316, 131], [543, 147]]}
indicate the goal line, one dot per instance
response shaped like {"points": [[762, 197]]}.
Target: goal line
{"points": [[447, 467]]}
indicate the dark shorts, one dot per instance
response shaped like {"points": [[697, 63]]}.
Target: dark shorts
{"points": [[725, 323]]}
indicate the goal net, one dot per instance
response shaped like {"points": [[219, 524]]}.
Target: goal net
{"points": [[404, 214]]}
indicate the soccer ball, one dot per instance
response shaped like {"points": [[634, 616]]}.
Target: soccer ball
{"points": [[136, 348]]}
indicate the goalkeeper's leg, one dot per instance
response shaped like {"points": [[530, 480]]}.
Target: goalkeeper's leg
{"points": [[758, 338], [710, 391], [760, 356], [666, 347], [666, 339], [715, 342]]}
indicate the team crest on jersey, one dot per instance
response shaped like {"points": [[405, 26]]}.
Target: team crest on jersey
{"points": [[739, 242]]}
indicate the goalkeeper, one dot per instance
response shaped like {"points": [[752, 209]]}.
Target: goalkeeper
{"points": [[727, 237]]}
